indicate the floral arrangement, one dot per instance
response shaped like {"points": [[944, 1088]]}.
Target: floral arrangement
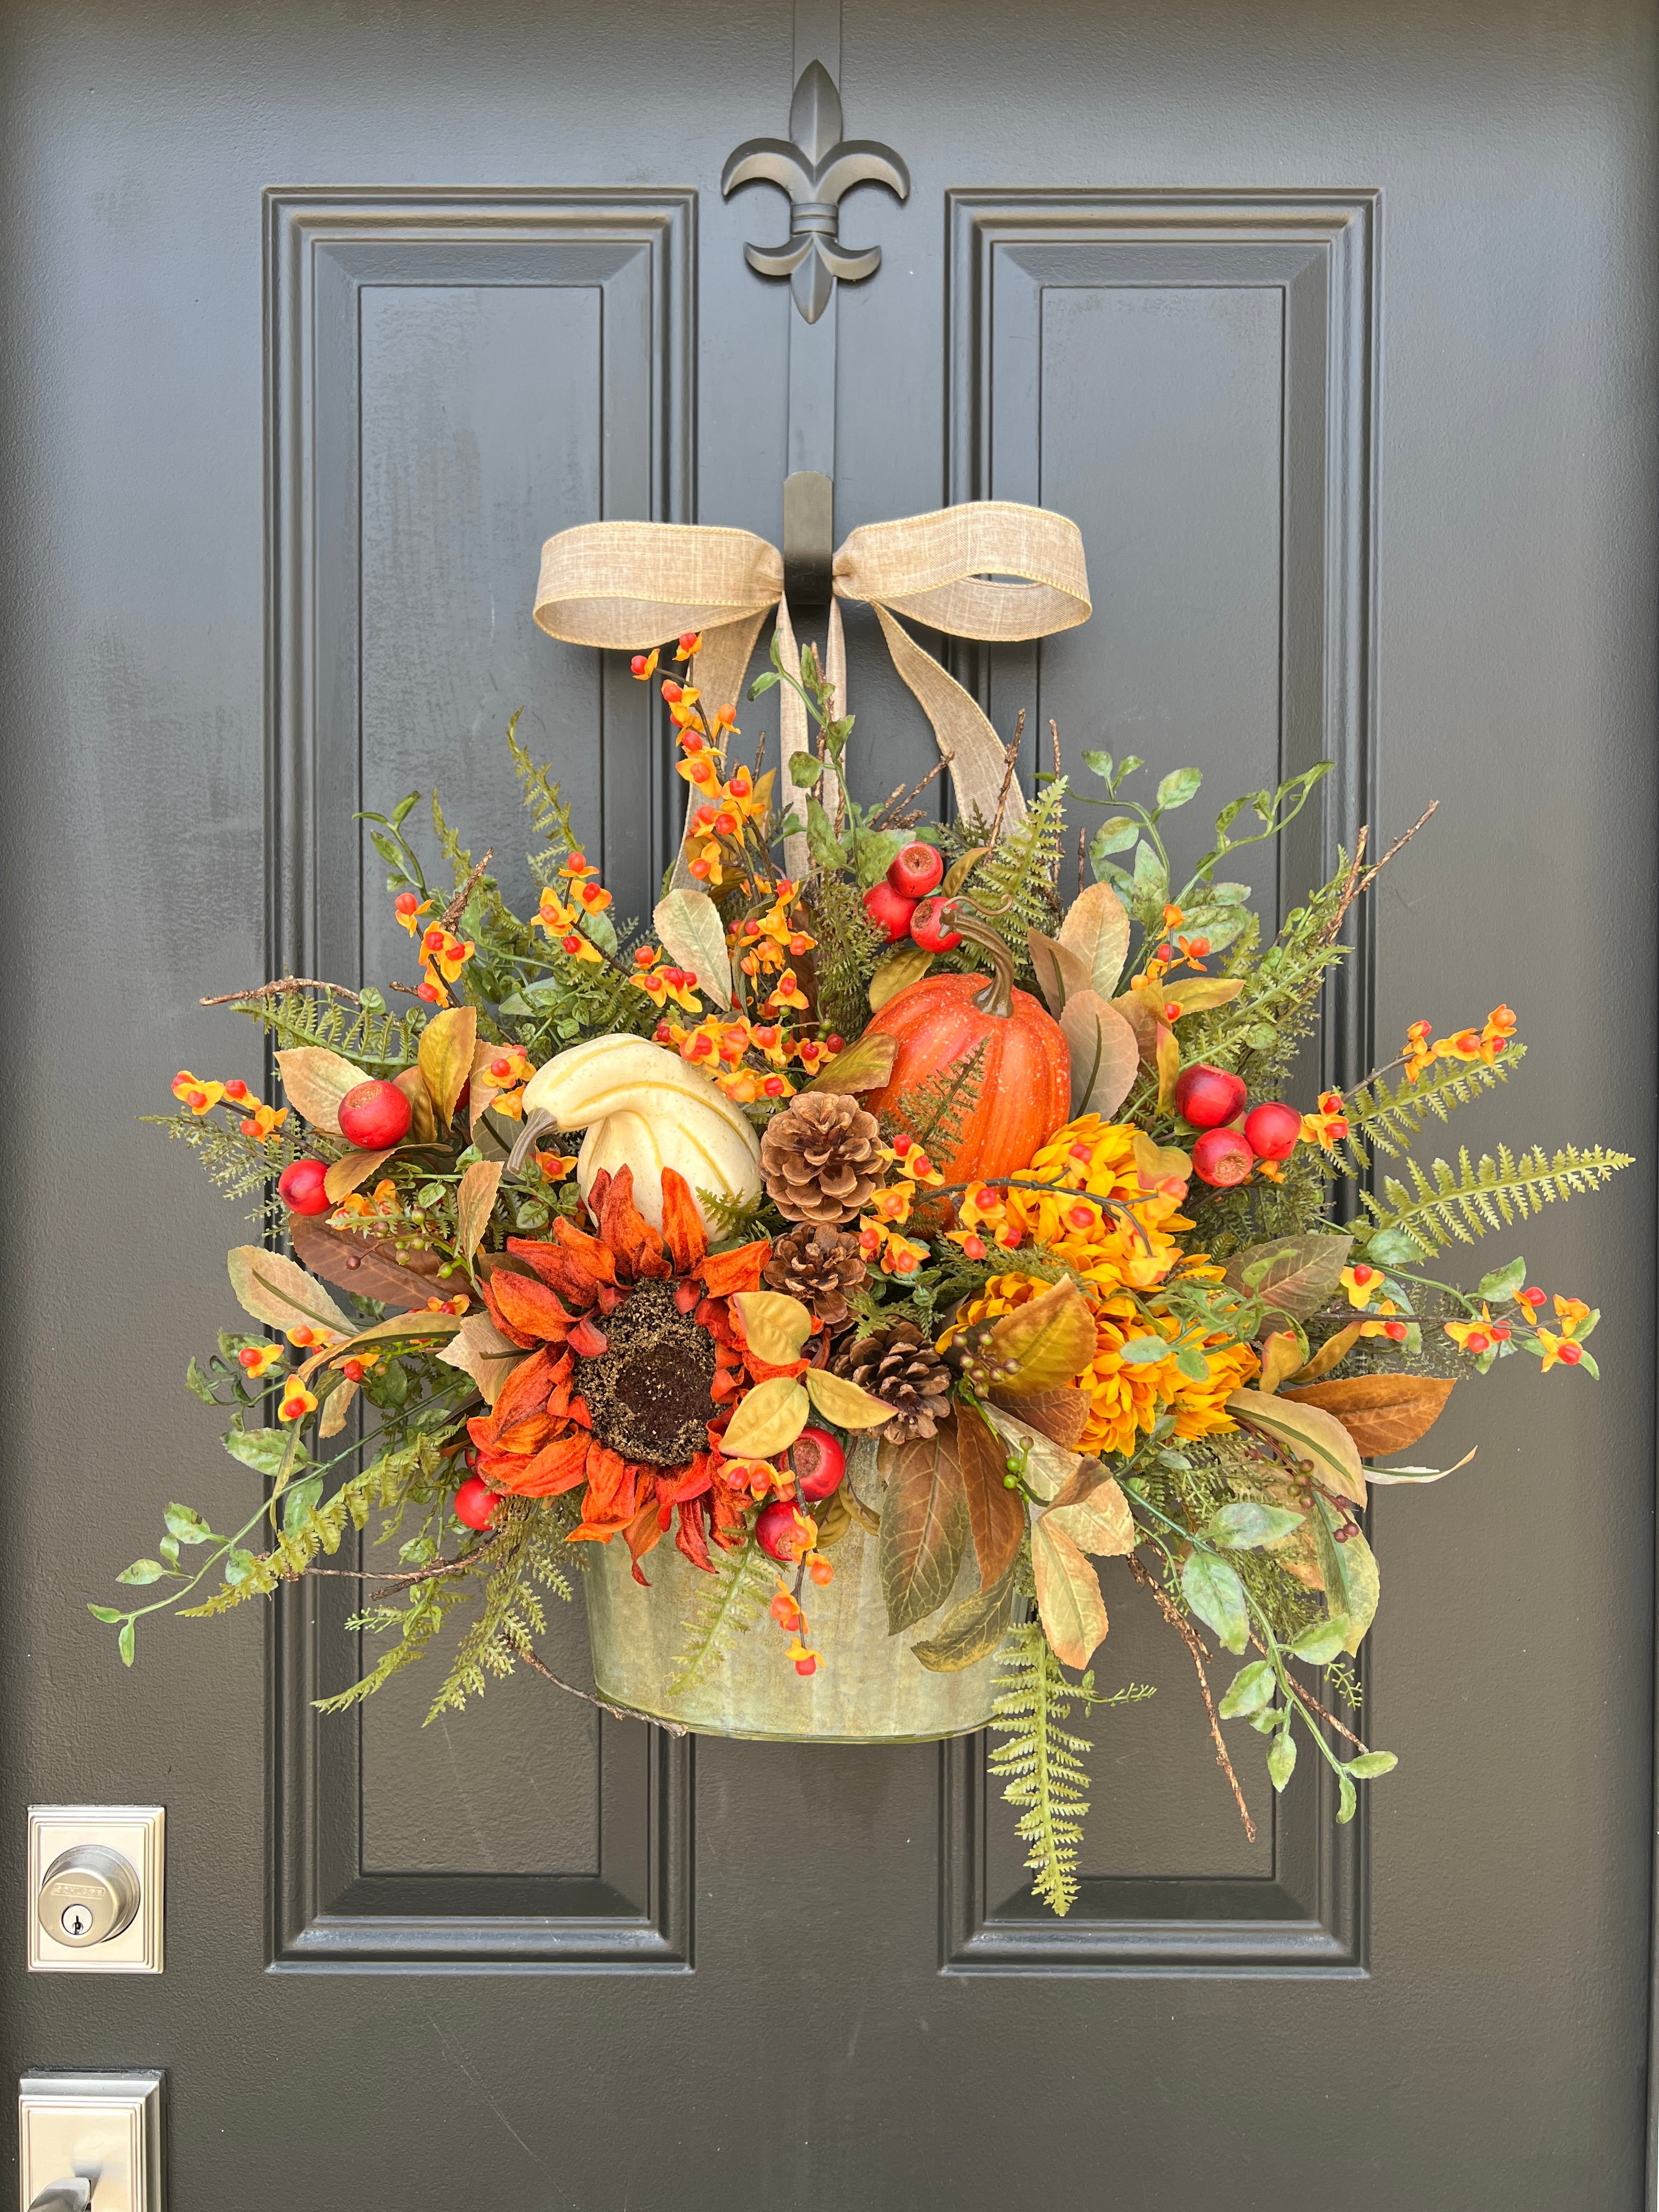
{"points": [[880, 1190]]}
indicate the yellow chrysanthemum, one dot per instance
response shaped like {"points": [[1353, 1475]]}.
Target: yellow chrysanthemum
{"points": [[1098, 1245], [1127, 1397]]}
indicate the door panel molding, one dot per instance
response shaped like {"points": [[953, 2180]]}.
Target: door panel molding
{"points": [[635, 252], [1319, 252]]}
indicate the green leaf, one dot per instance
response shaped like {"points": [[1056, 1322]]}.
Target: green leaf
{"points": [[1250, 1689], [186, 1525], [1266, 1720], [1349, 1571], [1217, 1596], [762, 683], [400, 813], [106, 1613], [1115, 837], [1347, 1798], [387, 848], [1293, 1274], [141, 1570], [299, 1501], [168, 1547], [972, 1628], [805, 772], [1281, 1759], [1392, 1247], [126, 1640], [262, 1450], [1246, 1526], [1145, 1351], [1503, 1282], [1320, 1642], [239, 1565], [1191, 1363], [1371, 1763], [198, 1386], [1178, 786]]}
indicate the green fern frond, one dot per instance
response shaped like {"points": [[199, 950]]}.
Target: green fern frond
{"points": [[728, 1604], [935, 1114], [1387, 1115], [1014, 888], [845, 954], [1040, 1763], [734, 1220], [1459, 1204], [371, 1034], [546, 804]]}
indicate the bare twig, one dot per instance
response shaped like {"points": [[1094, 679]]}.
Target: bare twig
{"points": [[902, 798], [1360, 877], [276, 990], [1190, 1637], [1082, 853], [1054, 740], [456, 907], [617, 1712], [1010, 762]]}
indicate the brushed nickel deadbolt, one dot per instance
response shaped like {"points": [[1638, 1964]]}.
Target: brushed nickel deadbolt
{"points": [[89, 1893]]}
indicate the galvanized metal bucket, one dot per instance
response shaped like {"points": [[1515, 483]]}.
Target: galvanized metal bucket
{"points": [[868, 1687]]}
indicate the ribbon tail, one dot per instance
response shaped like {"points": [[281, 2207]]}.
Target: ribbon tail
{"points": [[977, 757], [792, 741], [718, 674]]}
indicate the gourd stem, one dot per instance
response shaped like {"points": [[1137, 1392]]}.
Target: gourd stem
{"points": [[997, 999]]}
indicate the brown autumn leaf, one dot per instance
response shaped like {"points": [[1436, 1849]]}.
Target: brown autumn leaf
{"points": [[315, 1081], [422, 1127], [1097, 1517], [1104, 1055], [1044, 1344], [1060, 972], [1309, 1433], [368, 1265], [1296, 1274], [270, 1287], [1381, 1412], [351, 1169], [924, 1527], [479, 1349], [445, 1058], [996, 1516], [1060, 1415]]}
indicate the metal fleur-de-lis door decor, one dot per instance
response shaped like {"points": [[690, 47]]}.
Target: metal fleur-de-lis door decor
{"points": [[816, 170]]}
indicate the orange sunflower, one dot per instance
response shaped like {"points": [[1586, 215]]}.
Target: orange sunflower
{"points": [[634, 1369]]}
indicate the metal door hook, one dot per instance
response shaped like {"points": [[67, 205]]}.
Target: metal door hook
{"points": [[72, 2196]]}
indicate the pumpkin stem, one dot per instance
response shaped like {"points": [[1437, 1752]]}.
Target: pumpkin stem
{"points": [[997, 999]]}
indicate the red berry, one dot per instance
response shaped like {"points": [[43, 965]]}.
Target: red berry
{"points": [[475, 1502], [429, 991], [1570, 1354], [1274, 1131], [236, 1088], [782, 1531], [927, 927], [1208, 1097], [915, 870], [889, 909], [374, 1115], [819, 1463], [407, 903], [1222, 1157], [301, 1186], [807, 1666]]}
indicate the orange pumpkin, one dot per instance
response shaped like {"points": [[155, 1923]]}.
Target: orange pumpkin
{"points": [[1025, 1086]]}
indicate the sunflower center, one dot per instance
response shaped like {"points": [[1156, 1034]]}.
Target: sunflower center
{"points": [[648, 1394]]}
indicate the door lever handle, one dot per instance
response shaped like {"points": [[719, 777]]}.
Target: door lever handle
{"points": [[74, 2195]]}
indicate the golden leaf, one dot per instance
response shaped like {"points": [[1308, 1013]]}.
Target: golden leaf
{"points": [[1097, 928], [445, 1058], [351, 1169], [844, 1402], [1281, 1356], [1062, 1415], [768, 1421], [475, 1201], [1310, 1434], [775, 1326], [315, 1081], [335, 1408], [694, 936], [1041, 1345], [1069, 1604], [273, 1289], [479, 1349], [1381, 1412], [895, 972], [1334, 1350], [958, 871], [418, 1327], [1160, 1164], [1098, 1521], [865, 1065], [1198, 993]]}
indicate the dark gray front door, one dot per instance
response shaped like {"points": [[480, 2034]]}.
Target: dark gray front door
{"points": [[1332, 326]]}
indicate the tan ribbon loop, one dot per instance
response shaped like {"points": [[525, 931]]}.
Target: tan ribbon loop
{"points": [[628, 585]]}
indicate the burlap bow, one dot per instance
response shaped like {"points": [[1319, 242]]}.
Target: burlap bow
{"points": [[627, 585]]}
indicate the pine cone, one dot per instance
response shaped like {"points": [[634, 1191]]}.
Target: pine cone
{"points": [[898, 1365], [821, 1158], [818, 1266]]}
